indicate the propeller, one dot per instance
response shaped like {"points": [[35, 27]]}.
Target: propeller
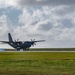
{"points": [[17, 42], [33, 40]]}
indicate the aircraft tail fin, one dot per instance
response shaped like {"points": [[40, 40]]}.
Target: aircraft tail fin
{"points": [[10, 38]]}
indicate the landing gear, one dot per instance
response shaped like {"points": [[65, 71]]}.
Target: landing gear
{"points": [[24, 49], [18, 49], [27, 48]]}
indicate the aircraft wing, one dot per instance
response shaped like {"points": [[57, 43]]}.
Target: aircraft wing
{"points": [[22, 41], [39, 41], [4, 41], [30, 41]]}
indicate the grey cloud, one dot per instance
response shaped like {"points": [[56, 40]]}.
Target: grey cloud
{"points": [[46, 2], [52, 24], [63, 10], [67, 23], [45, 27]]}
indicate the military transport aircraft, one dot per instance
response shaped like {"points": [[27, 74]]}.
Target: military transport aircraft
{"points": [[25, 45]]}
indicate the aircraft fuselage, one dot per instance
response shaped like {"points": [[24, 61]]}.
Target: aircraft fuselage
{"points": [[22, 45]]}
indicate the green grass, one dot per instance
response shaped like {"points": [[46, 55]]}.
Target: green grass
{"points": [[37, 63]]}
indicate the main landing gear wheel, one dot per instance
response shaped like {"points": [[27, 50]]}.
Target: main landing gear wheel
{"points": [[18, 49], [24, 49]]}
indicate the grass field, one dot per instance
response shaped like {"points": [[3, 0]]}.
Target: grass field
{"points": [[37, 63]]}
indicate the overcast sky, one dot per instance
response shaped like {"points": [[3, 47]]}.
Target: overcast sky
{"points": [[51, 20]]}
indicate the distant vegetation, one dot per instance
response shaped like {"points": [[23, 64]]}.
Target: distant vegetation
{"points": [[46, 49], [53, 49], [37, 63]]}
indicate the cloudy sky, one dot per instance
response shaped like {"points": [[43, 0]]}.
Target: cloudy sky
{"points": [[52, 20]]}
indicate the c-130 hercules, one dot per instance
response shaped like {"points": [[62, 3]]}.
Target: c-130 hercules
{"points": [[25, 45]]}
